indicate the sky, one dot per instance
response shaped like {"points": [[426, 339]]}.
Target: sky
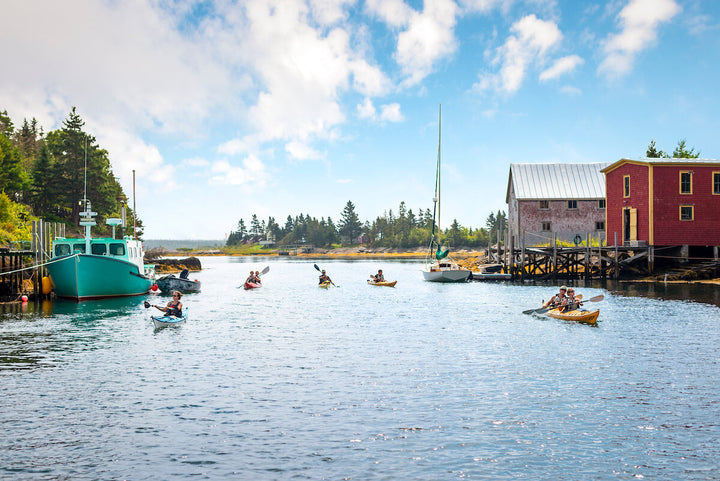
{"points": [[225, 109]]}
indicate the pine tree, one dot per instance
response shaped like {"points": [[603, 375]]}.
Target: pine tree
{"points": [[350, 225]]}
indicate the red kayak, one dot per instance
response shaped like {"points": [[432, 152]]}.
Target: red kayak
{"points": [[252, 285]]}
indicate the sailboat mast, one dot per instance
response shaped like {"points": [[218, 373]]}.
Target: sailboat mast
{"points": [[438, 164]]}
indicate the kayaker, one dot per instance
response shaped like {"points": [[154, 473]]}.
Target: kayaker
{"points": [[324, 278], [174, 307], [570, 303], [557, 299], [257, 277], [379, 277], [252, 279]]}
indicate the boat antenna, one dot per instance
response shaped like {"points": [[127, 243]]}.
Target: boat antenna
{"points": [[85, 183], [134, 214], [436, 199]]}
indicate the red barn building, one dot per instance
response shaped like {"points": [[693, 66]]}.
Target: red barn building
{"points": [[663, 202]]}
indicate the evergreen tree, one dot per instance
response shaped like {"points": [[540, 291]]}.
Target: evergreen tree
{"points": [[12, 177], [681, 151], [350, 225], [42, 191], [652, 152], [6, 125]]}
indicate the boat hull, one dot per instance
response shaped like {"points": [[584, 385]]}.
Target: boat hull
{"points": [[382, 283], [324, 285], [171, 283], [588, 317], [446, 275], [86, 276], [252, 285], [167, 321]]}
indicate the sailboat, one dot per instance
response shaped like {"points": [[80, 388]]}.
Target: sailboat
{"points": [[439, 267], [94, 268]]}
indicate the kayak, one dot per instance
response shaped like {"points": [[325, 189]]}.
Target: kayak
{"points": [[578, 315], [165, 321], [382, 283], [252, 285], [325, 284]]}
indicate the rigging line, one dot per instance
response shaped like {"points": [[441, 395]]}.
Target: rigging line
{"points": [[33, 266]]}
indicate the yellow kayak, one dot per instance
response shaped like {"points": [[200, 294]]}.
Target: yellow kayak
{"points": [[382, 283], [589, 317], [325, 284]]}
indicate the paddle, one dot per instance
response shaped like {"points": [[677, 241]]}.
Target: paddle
{"points": [[320, 270], [543, 310]]}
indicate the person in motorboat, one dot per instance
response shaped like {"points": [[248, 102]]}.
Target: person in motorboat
{"points": [[557, 299], [174, 307], [379, 277], [570, 303], [324, 278]]}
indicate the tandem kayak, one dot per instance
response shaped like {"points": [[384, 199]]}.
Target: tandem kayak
{"points": [[252, 285], [325, 284], [165, 321], [382, 283], [589, 317]]}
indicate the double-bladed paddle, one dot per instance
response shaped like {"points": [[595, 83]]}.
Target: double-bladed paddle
{"points": [[543, 310], [320, 270]]}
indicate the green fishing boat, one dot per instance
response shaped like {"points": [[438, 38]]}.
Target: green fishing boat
{"points": [[94, 268]]}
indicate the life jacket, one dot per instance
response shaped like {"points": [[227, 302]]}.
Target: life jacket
{"points": [[172, 310]]}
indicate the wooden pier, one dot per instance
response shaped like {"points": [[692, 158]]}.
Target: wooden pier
{"points": [[588, 262], [27, 262]]}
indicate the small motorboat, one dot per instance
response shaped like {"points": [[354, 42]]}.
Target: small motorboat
{"points": [[382, 283], [165, 321], [170, 283]]}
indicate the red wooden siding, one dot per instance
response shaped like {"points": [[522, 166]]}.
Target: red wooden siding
{"points": [[667, 228]]}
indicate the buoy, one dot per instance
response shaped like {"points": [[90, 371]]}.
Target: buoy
{"points": [[154, 287], [24, 298], [47, 285]]}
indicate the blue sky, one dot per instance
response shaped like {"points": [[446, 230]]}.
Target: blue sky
{"points": [[231, 108]]}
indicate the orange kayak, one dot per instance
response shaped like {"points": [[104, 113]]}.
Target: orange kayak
{"points": [[589, 317]]}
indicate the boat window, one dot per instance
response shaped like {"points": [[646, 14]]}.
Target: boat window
{"points": [[98, 249], [62, 250], [79, 248], [117, 249]]}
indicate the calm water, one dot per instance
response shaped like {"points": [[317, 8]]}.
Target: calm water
{"points": [[424, 381]]}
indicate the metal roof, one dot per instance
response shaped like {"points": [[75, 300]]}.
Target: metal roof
{"points": [[557, 181], [661, 161]]}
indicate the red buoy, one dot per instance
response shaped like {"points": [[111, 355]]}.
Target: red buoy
{"points": [[154, 287]]}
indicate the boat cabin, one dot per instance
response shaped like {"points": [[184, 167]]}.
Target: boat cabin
{"points": [[127, 248]]}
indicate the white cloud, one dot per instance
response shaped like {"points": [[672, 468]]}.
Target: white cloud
{"points": [[639, 22], [391, 113], [302, 151], [530, 42], [426, 38], [570, 90], [366, 110], [252, 172], [561, 66], [388, 112]]}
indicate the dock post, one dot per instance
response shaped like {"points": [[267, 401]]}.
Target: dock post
{"points": [[522, 256], [715, 253], [617, 266], [651, 259], [554, 257]]}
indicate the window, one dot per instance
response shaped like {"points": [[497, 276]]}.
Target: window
{"points": [[572, 204], [62, 250], [79, 248], [687, 212], [98, 249], [544, 205], [686, 182], [117, 249], [626, 186], [601, 204], [716, 183], [600, 225], [546, 226]]}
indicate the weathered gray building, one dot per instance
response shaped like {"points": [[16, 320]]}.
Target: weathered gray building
{"points": [[567, 200]]}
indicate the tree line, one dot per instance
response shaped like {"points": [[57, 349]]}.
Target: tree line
{"points": [[43, 174], [403, 229]]}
